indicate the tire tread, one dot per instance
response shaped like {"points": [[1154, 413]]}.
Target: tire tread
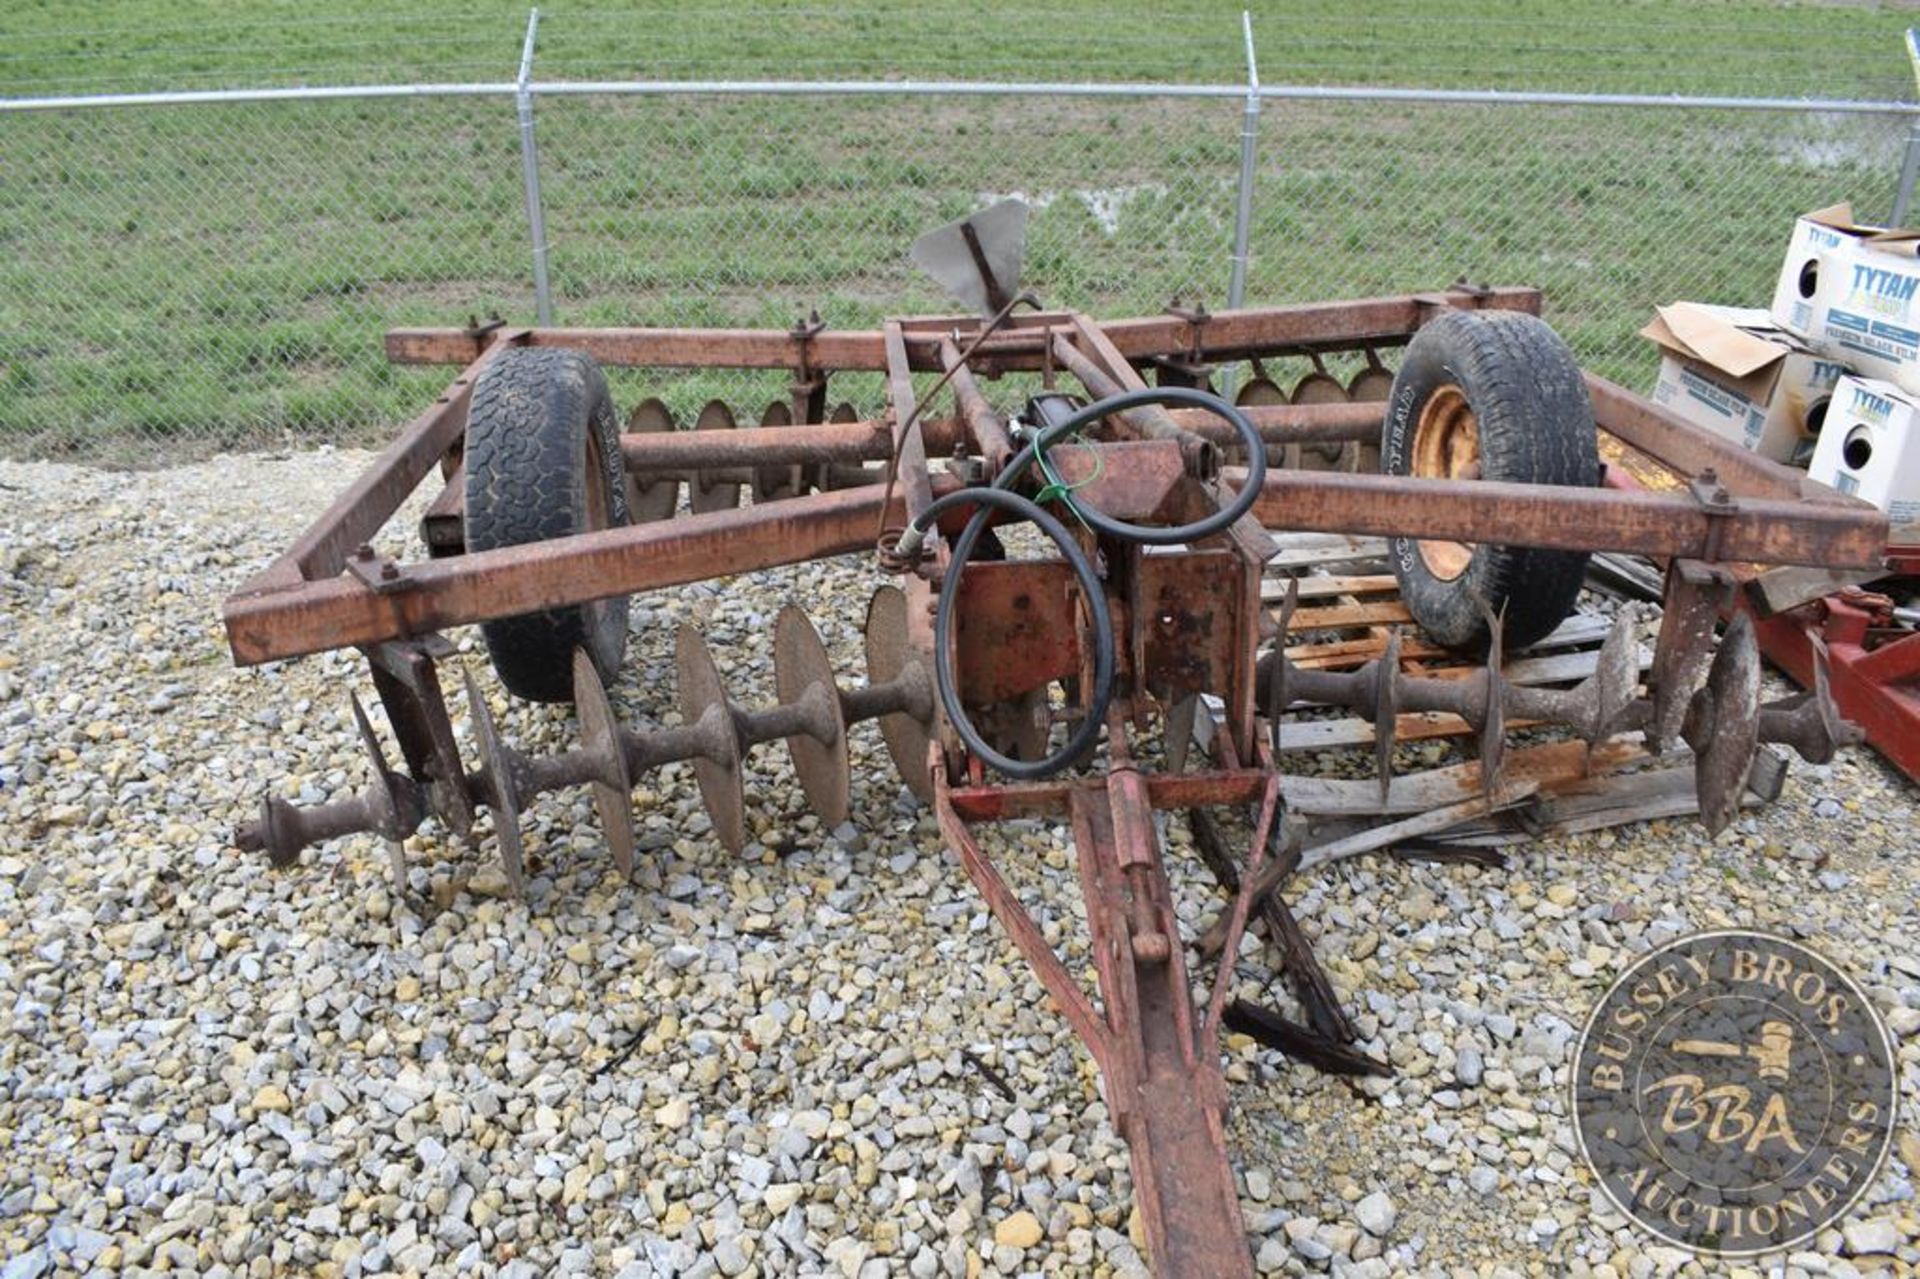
{"points": [[526, 435], [1535, 427]]}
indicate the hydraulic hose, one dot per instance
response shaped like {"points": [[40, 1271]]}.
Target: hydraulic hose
{"points": [[997, 496], [1146, 534], [1089, 730]]}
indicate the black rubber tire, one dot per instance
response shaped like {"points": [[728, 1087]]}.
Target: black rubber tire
{"points": [[543, 450], [1535, 426]]}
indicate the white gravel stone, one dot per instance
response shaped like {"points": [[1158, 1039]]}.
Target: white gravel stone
{"points": [[1875, 1236], [1376, 1214], [734, 1064]]}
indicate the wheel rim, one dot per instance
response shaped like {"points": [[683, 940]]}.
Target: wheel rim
{"points": [[1446, 446]]}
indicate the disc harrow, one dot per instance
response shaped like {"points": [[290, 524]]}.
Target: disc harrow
{"points": [[715, 734], [1008, 685]]}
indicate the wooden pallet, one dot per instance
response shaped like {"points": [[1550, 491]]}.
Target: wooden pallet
{"points": [[1347, 605]]}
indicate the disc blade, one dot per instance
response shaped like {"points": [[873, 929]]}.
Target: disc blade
{"points": [[1723, 725], [383, 790], [703, 497], [1616, 674], [1259, 392], [703, 699], [776, 483], [1386, 712], [600, 739], [891, 656], [1493, 710], [1319, 387], [801, 670], [1370, 386], [503, 796], [653, 500]]}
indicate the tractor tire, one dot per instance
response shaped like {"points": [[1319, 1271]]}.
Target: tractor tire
{"points": [[543, 461], [1490, 395]]}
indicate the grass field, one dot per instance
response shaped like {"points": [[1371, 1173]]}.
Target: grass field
{"points": [[219, 276]]}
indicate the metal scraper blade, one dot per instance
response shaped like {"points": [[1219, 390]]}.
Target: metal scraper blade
{"points": [[977, 259]]}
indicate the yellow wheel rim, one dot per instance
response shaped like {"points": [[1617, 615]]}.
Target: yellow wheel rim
{"points": [[1446, 446]]}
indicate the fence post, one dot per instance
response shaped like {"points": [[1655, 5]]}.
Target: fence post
{"points": [[1249, 140], [1909, 169], [1243, 199], [530, 171], [1910, 163]]}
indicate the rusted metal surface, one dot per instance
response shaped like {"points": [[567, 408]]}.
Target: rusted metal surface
{"points": [[1773, 530], [1168, 1096], [811, 717], [405, 676], [504, 583], [908, 465], [988, 430], [803, 676], [1149, 422], [662, 449], [1129, 480], [1163, 1080], [1321, 326], [1018, 629], [1187, 622], [652, 499], [900, 692], [708, 491]]}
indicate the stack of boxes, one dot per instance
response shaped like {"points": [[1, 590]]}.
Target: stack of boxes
{"points": [[1828, 377]]}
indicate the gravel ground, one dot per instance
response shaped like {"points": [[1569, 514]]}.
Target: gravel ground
{"points": [[752, 1065]]}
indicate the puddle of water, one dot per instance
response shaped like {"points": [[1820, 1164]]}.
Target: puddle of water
{"points": [[1822, 153], [1104, 203]]}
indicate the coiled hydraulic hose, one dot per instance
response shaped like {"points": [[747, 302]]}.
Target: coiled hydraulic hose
{"points": [[998, 497]]}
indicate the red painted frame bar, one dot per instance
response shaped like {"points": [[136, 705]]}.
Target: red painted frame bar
{"points": [[1840, 534], [1163, 1084], [1319, 326], [342, 611], [1876, 688], [431, 596]]}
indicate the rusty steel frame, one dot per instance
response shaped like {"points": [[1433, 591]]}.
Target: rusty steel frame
{"points": [[1185, 621]]}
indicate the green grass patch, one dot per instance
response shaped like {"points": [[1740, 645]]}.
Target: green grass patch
{"points": [[204, 277]]}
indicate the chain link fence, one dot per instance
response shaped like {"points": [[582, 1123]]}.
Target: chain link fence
{"points": [[186, 278], [1611, 210], [218, 276]]}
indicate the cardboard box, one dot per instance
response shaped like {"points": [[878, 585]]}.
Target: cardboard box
{"points": [[1732, 371], [1866, 308], [1870, 447], [1814, 234]]}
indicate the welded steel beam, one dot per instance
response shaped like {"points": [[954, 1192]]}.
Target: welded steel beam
{"points": [[438, 594], [869, 441], [272, 624], [1319, 326], [1770, 530]]}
